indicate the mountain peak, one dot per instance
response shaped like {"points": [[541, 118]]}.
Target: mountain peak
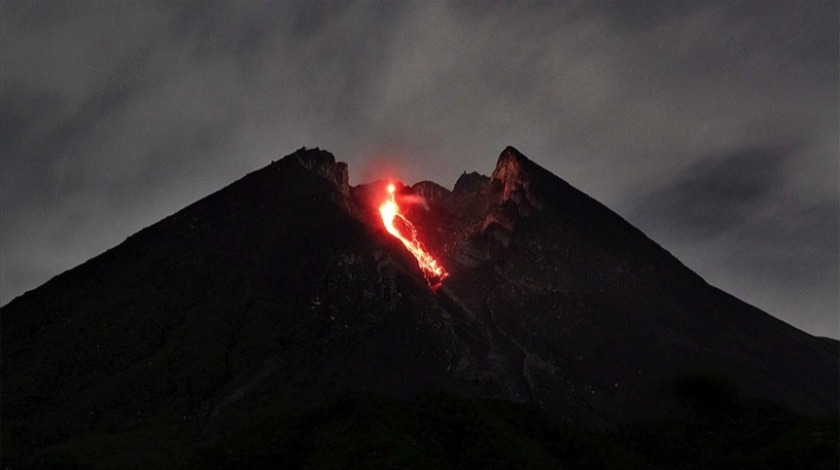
{"points": [[511, 152], [511, 160], [323, 164], [430, 191], [513, 178], [470, 183]]}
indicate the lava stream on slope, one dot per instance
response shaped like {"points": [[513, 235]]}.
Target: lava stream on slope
{"points": [[402, 229]]}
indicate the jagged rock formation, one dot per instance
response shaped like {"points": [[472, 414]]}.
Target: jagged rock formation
{"points": [[430, 191], [282, 289], [323, 164]]}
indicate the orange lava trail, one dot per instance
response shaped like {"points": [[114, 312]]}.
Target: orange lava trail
{"points": [[390, 212]]}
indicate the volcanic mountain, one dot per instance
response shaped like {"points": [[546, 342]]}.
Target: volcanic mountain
{"points": [[283, 292]]}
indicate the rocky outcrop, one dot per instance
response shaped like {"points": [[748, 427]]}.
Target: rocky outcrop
{"points": [[470, 183], [513, 180], [430, 191], [323, 164]]}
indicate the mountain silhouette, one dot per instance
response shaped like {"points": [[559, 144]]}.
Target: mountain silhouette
{"points": [[283, 292]]}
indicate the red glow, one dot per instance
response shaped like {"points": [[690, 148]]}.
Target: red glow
{"points": [[390, 212]]}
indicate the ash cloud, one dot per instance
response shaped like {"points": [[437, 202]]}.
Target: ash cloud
{"points": [[678, 115]]}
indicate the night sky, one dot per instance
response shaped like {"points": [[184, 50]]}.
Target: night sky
{"points": [[711, 126]]}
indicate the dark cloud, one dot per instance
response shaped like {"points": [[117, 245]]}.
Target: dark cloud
{"points": [[734, 219], [717, 194], [679, 115]]}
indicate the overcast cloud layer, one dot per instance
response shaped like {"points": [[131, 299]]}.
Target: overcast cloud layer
{"points": [[712, 126]]}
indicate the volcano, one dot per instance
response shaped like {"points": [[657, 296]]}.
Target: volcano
{"points": [[278, 322]]}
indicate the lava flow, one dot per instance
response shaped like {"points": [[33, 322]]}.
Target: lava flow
{"points": [[390, 212]]}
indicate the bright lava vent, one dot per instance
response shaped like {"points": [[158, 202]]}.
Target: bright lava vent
{"points": [[402, 229]]}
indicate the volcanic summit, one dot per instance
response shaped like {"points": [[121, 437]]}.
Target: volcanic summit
{"points": [[284, 292]]}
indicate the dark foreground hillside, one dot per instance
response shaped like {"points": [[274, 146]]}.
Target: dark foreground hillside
{"points": [[276, 324], [447, 432]]}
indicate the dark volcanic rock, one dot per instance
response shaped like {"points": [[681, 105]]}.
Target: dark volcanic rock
{"points": [[430, 191], [470, 184], [323, 164], [282, 289]]}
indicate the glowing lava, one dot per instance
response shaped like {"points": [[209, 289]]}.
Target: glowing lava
{"points": [[390, 212]]}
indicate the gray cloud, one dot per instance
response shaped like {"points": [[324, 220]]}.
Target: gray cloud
{"points": [[679, 115], [717, 194], [735, 220]]}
